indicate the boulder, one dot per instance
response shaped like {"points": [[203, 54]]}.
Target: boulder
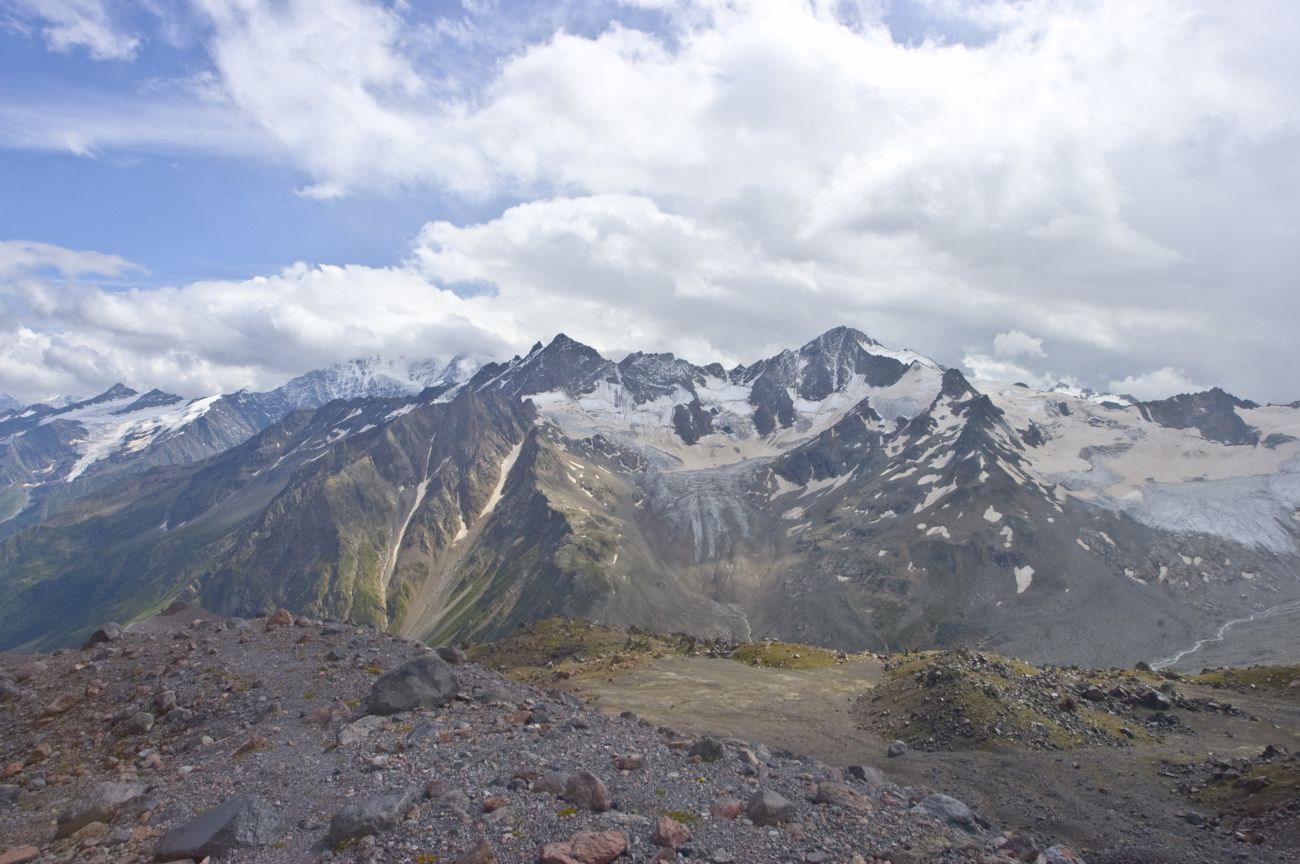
{"points": [[101, 804], [871, 777], [670, 833], [841, 795], [586, 847], [108, 633], [948, 810], [425, 682], [707, 750], [766, 807], [553, 782], [241, 822], [1155, 700], [20, 855], [585, 790], [278, 619], [451, 654], [380, 813]]}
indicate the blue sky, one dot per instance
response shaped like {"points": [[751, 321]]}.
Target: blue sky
{"points": [[211, 194]]}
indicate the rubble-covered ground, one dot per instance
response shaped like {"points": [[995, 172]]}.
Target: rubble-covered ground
{"points": [[285, 740]]}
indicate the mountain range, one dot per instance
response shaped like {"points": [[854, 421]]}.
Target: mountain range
{"points": [[842, 494]]}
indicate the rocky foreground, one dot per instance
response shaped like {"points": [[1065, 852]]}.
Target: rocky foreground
{"points": [[284, 739]]}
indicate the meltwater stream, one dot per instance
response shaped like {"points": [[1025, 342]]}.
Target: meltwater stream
{"points": [[1262, 646]]}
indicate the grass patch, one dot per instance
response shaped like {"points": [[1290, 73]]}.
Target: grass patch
{"points": [[783, 655], [680, 816], [1283, 786], [1273, 678], [558, 649]]}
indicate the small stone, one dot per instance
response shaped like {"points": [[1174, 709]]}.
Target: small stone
{"points": [[585, 790], [139, 724], [252, 745], [896, 749], [165, 701], [726, 808], [769, 808], [60, 705], [671, 833], [630, 762], [480, 853], [359, 731]]}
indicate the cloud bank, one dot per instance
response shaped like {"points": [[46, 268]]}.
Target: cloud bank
{"points": [[1104, 190]]}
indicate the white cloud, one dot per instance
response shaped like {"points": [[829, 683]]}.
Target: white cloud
{"points": [[1156, 384], [69, 24], [1016, 343], [763, 170], [24, 256]]}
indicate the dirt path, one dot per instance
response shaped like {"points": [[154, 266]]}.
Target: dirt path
{"points": [[1106, 800], [804, 711]]}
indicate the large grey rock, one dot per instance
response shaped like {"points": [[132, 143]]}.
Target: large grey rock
{"points": [[241, 822], [948, 810], [769, 808], [425, 682], [380, 813], [101, 804]]}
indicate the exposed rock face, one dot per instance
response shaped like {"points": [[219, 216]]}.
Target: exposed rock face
{"points": [[425, 682], [241, 822]]}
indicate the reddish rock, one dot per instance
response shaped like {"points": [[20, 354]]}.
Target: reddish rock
{"points": [[480, 853], [280, 618], [586, 848], [492, 803], [20, 855], [60, 704], [13, 769], [671, 833], [726, 808], [630, 762]]}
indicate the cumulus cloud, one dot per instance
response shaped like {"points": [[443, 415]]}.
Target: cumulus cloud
{"points": [[1156, 384], [745, 174], [1015, 343]]}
